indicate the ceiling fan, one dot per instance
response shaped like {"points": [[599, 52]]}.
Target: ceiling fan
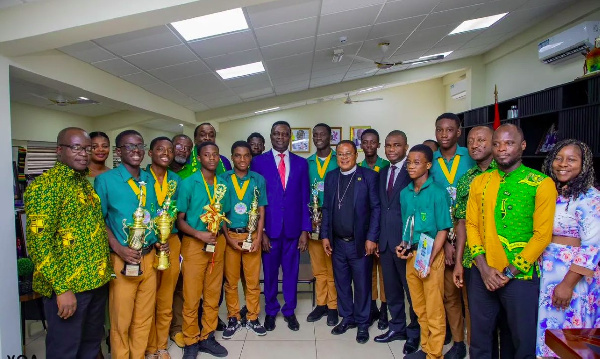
{"points": [[350, 101], [61, 100], [384, 65]]}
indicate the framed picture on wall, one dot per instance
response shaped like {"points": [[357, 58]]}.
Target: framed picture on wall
{"points": [[336, 135], [355, 133], [300, 142]]}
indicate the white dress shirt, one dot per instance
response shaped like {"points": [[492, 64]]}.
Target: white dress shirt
{"points": [[398, 169], [286, 160]]}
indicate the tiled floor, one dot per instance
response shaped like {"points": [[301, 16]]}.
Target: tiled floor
{"points": [[313, 340]]}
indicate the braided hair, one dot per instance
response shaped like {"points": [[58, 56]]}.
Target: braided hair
{"points": [[584, 180]]}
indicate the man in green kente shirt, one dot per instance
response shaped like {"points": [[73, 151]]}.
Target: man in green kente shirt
{"points": [[369, 143], [204, 132], [68, 244], [321, 162]]}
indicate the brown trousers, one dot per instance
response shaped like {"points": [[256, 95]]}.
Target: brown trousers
{"points": [[177, 321], [234, 261], [453, 306], [427, 295], [131, 308], [374, 291], [165, 281], [202, 278], [322, 269]]}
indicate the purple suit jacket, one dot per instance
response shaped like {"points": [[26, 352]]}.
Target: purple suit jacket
{"points": [[287, 213]]}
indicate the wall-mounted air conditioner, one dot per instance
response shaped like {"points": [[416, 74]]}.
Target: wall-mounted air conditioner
{"points": [[572, 41], [458, 90]]}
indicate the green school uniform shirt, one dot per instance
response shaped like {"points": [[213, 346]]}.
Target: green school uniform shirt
{"points": [[313, 173], [193, 197], [465, 162], [379, 164], [238, 209]]}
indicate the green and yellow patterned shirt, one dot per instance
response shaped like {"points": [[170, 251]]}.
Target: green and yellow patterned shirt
{"points": [[462, 197], [66, 235]]}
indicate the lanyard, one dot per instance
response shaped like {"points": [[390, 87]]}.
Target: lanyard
{"points": [[241, 192], [322, 169], [136, 190], [210, 198], [452, 175], [160, 189]]}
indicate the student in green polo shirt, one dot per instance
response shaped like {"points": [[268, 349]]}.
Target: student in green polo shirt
{"points": [[243, 186], [319, 164], [202, 269], [450, 163], [425, 206], [369, 143], [131, 298]]}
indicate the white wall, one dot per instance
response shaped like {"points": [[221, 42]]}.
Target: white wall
{"points": [[411, 108]]}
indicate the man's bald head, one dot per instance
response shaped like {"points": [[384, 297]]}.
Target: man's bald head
{"points": [[66, 132], [484, 129]]}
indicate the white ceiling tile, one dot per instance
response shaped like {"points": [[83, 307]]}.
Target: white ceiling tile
{"points": [[87, 51], [117, 67], [333, 6], [290, 79], [175, 72], [424, 39], [214, 95], [535, 3], [226, 101], [348, 19], [328, 41], [340, 70], [292, 87], [498, 7], [403, 56], [140, 79], [251, 88], [395, 10], [197, 107], [278, 12], [487, 38], [404, 26], [450, 17], [323, 58], [453, 4], [234, 59], [256, 93], [328, 80], [248, 99], [224, 44], [523, 18], [135, 42], [288, 48], [457, 39], [371, 49], [439, 48], [163, 90], [290, 66], [359, 74], [288, 31], [359, 65], [9, 3], [183, 101], [199, 84], [248, 80], [164, 57]]}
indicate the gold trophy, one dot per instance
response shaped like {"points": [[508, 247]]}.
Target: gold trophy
{"points": [[253, 217], [315, 212], [214, 215], [137, 233], [163, 225]]}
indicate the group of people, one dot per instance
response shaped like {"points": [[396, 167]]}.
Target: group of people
{"points": [[469, 237]]}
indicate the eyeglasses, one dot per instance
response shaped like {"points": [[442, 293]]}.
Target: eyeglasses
{"points": [[78, 148], [182, 147], [132, 147]]}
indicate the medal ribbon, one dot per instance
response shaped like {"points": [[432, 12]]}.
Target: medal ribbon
{"points": [[160, 189], [136, 189], [452, 175], [210, 198], [322, 169], [240, 192]]}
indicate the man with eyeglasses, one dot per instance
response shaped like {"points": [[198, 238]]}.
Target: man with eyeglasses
{"points": [[183, 146], [165, 182], [133, 293], [69, 247]]}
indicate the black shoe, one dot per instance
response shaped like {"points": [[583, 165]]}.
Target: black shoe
{"points": [[362, 335], [383, 322], [210, 346], [416, 355], [411, 346], [270, 322], [233, 327], [317, 313], [190, 351], [256, 327], [243, 313], [389, 336], [448, 337], [458, 351], [292, 322], [342, 328], [221, 325], [332, 317]]}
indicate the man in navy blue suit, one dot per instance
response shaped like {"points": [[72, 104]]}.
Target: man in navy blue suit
{"points": [[350, 229], [287, 222]]}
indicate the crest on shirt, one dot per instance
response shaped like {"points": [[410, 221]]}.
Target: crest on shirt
{"points": [[37, 223], [67, 237], [423, 216]]}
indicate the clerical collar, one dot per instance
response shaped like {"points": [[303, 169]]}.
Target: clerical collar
{"points": [[349, 172]]}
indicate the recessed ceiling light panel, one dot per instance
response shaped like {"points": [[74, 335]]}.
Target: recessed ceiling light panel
{"points": [[243, 70], [211, 25], [267, 110], [476, 24]]}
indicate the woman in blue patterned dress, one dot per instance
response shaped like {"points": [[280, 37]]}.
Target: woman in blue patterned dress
{"points": [[569, 288]]}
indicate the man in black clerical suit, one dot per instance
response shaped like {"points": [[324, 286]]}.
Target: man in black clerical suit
{"points": [[392, 180], [350, 229]]}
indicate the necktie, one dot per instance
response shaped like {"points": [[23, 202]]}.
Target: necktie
{"points": [[281, 169], [390, 185]]}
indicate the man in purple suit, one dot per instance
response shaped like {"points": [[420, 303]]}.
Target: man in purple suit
{"points": [[287, 222]]}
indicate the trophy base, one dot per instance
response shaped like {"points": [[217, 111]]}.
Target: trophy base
{"points": [[246, 246], [210, 248], [162, 261], [132, 270], [314, 235]]}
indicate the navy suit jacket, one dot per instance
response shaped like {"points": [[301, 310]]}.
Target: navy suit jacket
{"points": [[287, 213], [366, 207], [391, 213]]}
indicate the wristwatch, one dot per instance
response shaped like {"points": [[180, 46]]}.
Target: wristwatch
{"points": [[508, 273]]}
